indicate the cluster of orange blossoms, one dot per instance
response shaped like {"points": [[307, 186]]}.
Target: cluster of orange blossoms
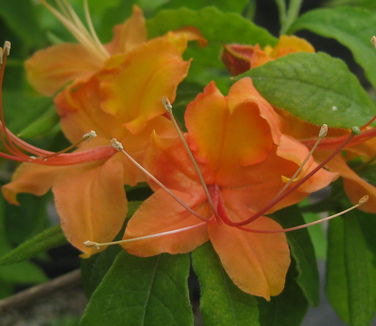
{"points": [[239, 160]]}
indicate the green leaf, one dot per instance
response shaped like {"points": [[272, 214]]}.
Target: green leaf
{"points": [[316, 88], [351, 274], [44, 123], [368, 4], [50, 238], [352, 27], [222, 303], [23, 109], [95, 268], [24, 273], [218, 28], [22, 19], [224, 5], [142, 291], [287, 309], [303, 252]]}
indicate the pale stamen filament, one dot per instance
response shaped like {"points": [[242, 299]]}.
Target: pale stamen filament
{"points": [[322, 134], [167, 105], [119, 147], [78, 30], [97, 245], [92, 29], [361, 201]]}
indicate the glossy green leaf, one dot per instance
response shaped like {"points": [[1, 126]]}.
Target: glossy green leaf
{"points": [[49, 238], [352, 27], [287, 309], [218, 28], [315, 87], [351, 273], [303, 252], [142, 291], [222, 303]]}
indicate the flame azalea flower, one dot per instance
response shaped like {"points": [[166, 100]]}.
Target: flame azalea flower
{"points": [[239, 58], [116, 91], [242, 153], [362, 146]]}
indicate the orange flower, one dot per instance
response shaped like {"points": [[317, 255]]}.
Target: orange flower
{"points": [[116, 91], [239, 58], [242, 153], [362, 146]]}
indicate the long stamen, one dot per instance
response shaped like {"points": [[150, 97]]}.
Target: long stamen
{"points": [[330, 142], [322, 134], [168, 107], [97, 245], [361, 201], [75, 26], [92, 29], [89, 135], [277, 199], [119, 147]]}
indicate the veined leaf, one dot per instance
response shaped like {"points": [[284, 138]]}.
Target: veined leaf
{"points": [[49, 238], [142, 291], [303, 252], [352, 27], [351, 274], [315, 87], [222, 303], [218, 28]]}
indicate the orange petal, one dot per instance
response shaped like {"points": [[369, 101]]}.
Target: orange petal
{"points": [[50, 69], [256, 263], [291, 44], [132, 85], [31, 178], [354, 185], [292, 150], [91, 203], [130, 34], [161, 213], [79, 106], [168, 161], [228, 133]]}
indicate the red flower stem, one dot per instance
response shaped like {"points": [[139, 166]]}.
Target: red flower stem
{"points": [[293, 188]]}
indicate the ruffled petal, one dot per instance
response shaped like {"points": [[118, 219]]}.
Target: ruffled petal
{"points": [[50, 69], [291, 44], [130, 34], [161, 213], [229, 133], [256, 263], [132, 85], [91, 203], [354, 185], [31, 178], [292, 150]]}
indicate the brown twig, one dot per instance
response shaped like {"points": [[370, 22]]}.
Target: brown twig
{"points": [[36, 292]]}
